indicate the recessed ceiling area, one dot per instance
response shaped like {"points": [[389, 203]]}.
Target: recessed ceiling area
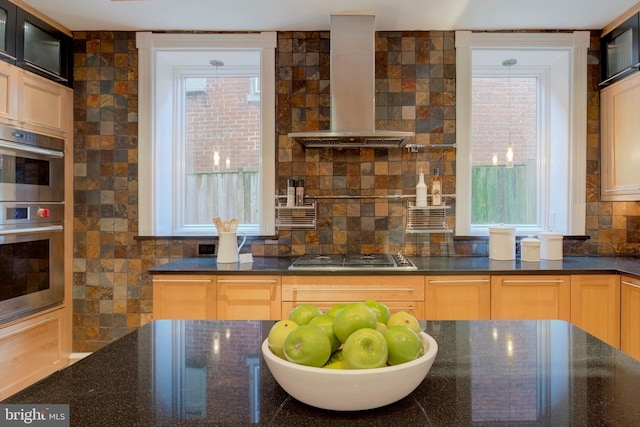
{"points": [[287, 15]]}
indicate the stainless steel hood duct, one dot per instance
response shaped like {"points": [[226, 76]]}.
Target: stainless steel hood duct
{"points": [[352, 90]]}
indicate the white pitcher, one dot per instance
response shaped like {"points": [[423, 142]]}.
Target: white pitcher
{"points": [[228, 248]]}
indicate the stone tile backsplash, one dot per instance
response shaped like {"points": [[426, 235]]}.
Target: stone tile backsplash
{"points": [[415, 85]]}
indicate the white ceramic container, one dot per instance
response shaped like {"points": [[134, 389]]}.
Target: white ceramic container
{"points": [[502, 243], [530, 249], [550, 246]]}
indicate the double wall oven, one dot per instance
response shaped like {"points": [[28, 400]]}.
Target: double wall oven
{"points": [[31, 222]]}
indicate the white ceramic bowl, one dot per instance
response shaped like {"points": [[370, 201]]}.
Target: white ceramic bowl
{"points": [[351, 389]]}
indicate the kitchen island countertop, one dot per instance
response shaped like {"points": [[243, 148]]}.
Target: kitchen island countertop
{"points": [[499, 373], [425, 265]]}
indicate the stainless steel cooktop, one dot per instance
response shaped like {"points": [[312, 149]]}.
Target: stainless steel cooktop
{"points": [[365, 262]]}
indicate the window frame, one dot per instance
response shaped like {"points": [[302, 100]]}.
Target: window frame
{"points": [[155, 219], [576, 45]]}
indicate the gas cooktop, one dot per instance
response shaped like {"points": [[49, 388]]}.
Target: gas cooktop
{"points": [[363, 262]]}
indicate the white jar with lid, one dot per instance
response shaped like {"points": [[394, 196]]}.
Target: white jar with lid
{"points": [[530, 249], [502, 243], [550, 246]]}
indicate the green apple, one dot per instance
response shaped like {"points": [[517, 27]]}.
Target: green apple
{"points": [[352, 317], [335, 365], [381, 310], [303, 313], [336, 356], [307, 345], [325, 322], [404, 319], [404, 344], [335, 309], [365, 348], [381, 327], [277, 334]]}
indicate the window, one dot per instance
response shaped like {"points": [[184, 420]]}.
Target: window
{"points": [[206, 132], [538, 109]]}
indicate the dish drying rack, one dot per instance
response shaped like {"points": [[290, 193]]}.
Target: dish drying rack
{"points": [[296, 217], [428, 219]]}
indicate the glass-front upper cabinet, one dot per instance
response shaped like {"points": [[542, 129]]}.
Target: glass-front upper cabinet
{"points": [[619, 48], [8, 31], [43, 49]]}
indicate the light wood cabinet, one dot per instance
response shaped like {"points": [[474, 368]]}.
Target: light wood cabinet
{"points": [[31, 350], [9, 76], [630, 316], [184, 297], [458, 297], [33, 103], [531, 297], [248, 297], [43, 105], [595, 306], [399, 293], [620, 127]]}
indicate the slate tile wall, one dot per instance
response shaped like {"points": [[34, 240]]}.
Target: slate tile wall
{"points": [[415, 80]]}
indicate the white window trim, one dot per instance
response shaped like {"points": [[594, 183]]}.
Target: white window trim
{"points": [[576, 44], [149, 46]]}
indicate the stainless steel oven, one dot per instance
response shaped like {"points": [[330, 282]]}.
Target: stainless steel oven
{"points": [[31, 257], [31, 166]]}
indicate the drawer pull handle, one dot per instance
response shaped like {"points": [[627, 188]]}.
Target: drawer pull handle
{"points": [[26, 328], [533, 281], [460, 281], [355, 289], [248, 282], [182, 280], [624, 282]]}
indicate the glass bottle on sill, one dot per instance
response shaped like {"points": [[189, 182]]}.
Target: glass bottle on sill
{"points": [[436, 188]]}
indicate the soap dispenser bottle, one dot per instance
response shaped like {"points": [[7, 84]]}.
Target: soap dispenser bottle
{"points": [[421, 192]]}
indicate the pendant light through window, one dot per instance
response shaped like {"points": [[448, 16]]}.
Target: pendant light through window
{"points": [[509, 163]]}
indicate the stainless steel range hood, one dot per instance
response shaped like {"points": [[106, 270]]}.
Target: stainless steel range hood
{"points": [[352, 90]]}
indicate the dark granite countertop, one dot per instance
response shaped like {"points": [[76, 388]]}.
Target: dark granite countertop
{"points": [[426, 265], [498, 373]]}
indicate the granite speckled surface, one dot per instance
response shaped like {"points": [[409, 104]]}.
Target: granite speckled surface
{"points": [[426, 265], [498, 373]]}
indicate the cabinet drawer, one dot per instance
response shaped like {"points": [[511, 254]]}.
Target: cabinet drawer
{"points": [[248, 298], [531, 297], [415, 308], [184, 297], [31, 350], [352, 288]]}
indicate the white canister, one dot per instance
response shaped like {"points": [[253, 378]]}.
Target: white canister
{"points": [[550, 246], [530, 249], [502, 243]]}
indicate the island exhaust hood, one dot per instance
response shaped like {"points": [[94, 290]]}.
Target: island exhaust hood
{"points": [[352, 90]]}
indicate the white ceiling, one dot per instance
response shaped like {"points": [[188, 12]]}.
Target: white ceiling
{"points": [[291, 15]]}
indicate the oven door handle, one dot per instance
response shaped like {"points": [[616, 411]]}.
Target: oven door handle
{"points": [[30, 149], [31, 230]]}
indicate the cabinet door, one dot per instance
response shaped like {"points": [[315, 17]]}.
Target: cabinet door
{"points": [[31, 350], [458, 297], [620, 127], [531, 297], [44, 105], [184, 297], [398, 292], [248, 298], [595, 306], [630, 316], [9, 76]]}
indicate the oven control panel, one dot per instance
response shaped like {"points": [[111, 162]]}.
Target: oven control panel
{"points": [[17, 214]]}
